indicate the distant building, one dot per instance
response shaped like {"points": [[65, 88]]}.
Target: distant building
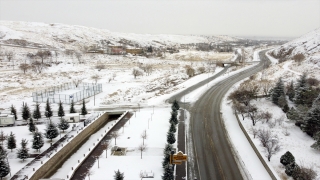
{"points": [[134, 51], [115, 50]]}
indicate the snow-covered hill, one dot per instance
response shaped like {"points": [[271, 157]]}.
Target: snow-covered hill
{"points": [[63, 36], [308, 45]]}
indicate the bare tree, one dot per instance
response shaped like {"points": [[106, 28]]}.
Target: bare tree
{"points": [[96, 78], [115, 135], [43, 54], [144, 136], [69, 52], [79, 57], [189, 71], [9, 55], [253, 113], [77, 81], [271, 148], [266, 115], [100, 66], [142, 148], [211, 66], [24, 67], [280, 120], [137, 72], [148, 69], [285, 131], [264, 136], [114, 75], [38, 67], [106, 145], [298, 58], [201, 70], [313, 81], [266, 85], [239, 108], [254, 131]]}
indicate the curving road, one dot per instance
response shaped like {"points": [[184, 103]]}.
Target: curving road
{"points": [[213, 157]]}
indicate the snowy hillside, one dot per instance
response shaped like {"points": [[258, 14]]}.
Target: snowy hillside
{"points": [[71, 36], [308, 45]]}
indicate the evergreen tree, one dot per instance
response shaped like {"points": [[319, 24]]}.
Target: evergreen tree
{"points": [[277, 92], [4, 168], [171, 139], [291, 168], [25, 112], [63, 125], [168, 173], [23, 151], [166, 159], [14, 112], [48, 112], [37, 141], [173, 119], [60, 110], [36, 112], [301, 90], [168, 147], [312, 120], [150, 49], [3, 152], [11, 141], [293, 114], [316, 145], [172, 128], [175, 105], [32, 127], [51, 131], [118, 175], [166, 152], [287, 158], [72, 110], [84, 109], [290, 91]]}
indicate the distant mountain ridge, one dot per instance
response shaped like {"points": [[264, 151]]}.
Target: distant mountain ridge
{"points": [[61, 36], [308, 45]]}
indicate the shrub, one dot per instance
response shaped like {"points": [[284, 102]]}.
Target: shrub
{"points": [[287, 158]]}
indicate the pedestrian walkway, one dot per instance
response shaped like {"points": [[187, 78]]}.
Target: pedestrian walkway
{"points": [[86, 165]]}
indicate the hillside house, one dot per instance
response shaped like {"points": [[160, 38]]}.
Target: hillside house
{"points": [[134, 51], [115, 50]]}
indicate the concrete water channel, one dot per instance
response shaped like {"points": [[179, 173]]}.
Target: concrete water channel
{"points": [[79, 170]]}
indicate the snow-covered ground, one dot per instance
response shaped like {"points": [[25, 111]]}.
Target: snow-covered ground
{"points": [[154, 152]]}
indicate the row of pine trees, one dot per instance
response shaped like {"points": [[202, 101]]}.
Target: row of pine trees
{"points": [[26, 114], [51, 132], [171, 139]]}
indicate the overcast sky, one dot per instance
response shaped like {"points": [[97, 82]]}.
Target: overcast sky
{"points": [[276, 18]]}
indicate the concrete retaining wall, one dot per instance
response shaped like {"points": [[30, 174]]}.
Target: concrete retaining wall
{"points": [[55, 161], [272, 175]]}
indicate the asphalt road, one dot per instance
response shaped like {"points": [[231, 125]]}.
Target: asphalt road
{"points": [[213, 157]]}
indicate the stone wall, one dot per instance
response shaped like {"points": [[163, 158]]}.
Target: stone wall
{"points": [[256, 150]]}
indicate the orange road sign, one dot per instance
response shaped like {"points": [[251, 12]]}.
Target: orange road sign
{"points": [[179, 157], [177, 162]]}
